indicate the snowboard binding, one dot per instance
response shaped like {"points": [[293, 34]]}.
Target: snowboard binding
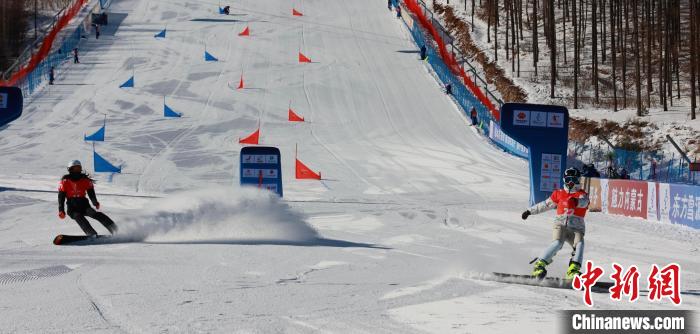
{"points": [[540, 270]]}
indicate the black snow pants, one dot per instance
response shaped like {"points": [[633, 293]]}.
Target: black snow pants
{"points": [[79, 217]]}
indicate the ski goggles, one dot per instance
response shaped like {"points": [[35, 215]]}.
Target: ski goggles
{"points": [[571, 179]]}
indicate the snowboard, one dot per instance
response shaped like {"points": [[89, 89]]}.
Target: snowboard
{"points": [[65, 239], [548, 282]]}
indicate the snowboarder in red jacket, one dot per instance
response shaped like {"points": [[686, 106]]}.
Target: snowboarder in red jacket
{"points": [[571, 203], [72, 189]]}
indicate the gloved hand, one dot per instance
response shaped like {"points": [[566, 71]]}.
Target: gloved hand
{"points": [[97, 205], [526, 214], [572, 203], [61, 215]]}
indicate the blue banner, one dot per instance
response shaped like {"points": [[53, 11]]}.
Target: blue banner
{"points": [[544, 130], [10, 104], [684, 205], [262, 167]]}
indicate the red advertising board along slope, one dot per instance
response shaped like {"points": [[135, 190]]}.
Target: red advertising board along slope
{"points": [[627, 198]]}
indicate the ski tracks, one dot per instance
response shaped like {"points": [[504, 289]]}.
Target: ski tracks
{"points": [[111, 324], [169, 146]]}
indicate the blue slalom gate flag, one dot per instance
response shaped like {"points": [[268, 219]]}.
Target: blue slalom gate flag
{"points": [[128, 84]]}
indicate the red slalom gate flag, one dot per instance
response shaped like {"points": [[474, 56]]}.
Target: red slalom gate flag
{"points": [[293, 117], [296, 12], [240, 83], [253, 139], [303, 59], [245, 32], [303, 172]]}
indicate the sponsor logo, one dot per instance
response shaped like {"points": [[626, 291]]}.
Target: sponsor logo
{"points": [[538, 118], [555, 120], [521, 117]]}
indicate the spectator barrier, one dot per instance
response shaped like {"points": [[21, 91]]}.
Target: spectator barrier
{"points": [[36, 71], [663, 202], [462, 91]]}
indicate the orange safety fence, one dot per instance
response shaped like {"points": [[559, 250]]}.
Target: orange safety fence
{"points": [[449, 59], [46, 44]]}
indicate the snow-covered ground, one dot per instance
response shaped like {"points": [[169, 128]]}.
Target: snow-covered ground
{"points": [[414, 205]]}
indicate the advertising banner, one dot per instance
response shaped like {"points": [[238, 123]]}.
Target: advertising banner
{"points": [[261, 167], [627, 198], [652, 201], [664, 202], [685, 205], [11, 104], [604, 190], [543, 129], [506, 142], [592, 187]]}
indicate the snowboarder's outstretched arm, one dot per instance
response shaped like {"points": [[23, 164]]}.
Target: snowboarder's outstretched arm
{"points": [[540, 207]]}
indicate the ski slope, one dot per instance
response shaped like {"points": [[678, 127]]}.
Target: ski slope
{"points": [[413, 207]]}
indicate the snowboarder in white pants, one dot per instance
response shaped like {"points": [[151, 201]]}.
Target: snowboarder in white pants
{"points": [[571, 203]]}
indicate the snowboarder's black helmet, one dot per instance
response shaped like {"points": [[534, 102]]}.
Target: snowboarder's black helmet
{"points": [[572, 177]]}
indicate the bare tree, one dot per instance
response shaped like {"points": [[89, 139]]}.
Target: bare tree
{"points": [[613, 51], [637, 78], [535, 46], [649, 30], [693, 54], [563, 24], [602, 23], [495, 29], [473, 3], [594, 48], [661, 35], [624, 53], [576, 48], [552, 49]]}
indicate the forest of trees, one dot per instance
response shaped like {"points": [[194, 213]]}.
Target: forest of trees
{"points": [[612, 53], [13, 27], [17, 25]]}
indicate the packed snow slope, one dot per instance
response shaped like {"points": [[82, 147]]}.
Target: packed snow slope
{"points": [[413, 207]]}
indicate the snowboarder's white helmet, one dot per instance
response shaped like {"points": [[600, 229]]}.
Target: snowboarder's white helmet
{"points": [[74, 163]]}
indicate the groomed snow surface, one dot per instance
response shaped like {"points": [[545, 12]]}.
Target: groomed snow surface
{"points": [[413, 207]]}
